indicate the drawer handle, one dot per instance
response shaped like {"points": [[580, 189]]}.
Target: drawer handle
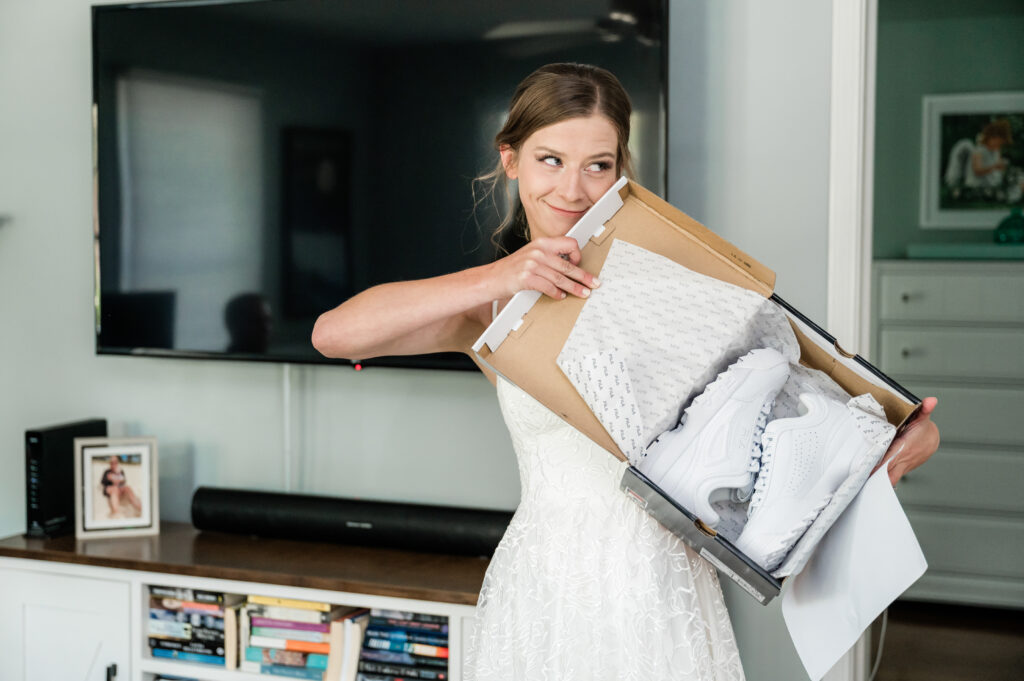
{"points": [[112, 672], [906, 352], [905, 297]]}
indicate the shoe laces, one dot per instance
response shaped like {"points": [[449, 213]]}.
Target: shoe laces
{"points": [[756, 453], [764, 473]]}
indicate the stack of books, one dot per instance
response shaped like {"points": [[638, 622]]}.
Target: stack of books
{"points": [[404, 645], [192, 625], [300, 639]]}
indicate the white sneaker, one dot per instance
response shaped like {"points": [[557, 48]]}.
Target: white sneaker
{"points": [[805, 460], [715, 450]]}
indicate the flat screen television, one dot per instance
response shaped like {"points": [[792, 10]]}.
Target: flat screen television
{"points": [[259, 162]]}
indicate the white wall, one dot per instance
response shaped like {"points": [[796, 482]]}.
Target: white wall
{"points": [[748, 149], [747, 156], [410, 435]]}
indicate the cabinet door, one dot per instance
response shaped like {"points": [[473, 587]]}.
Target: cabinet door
{"points": [[61, 627]]}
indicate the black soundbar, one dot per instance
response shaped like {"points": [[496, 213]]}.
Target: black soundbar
{"points": [[412, 527]]}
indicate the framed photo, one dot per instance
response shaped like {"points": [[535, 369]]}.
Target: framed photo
{"points": [[116, 489], [972, 165]]}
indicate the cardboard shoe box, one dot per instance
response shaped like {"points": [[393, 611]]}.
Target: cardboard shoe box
{"points": [[524, 340]]}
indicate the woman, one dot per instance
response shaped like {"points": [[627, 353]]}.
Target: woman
{"points": [[584, 585], [115, 487]]}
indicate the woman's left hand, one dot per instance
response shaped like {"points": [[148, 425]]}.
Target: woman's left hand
{"points": [[916, 443]]}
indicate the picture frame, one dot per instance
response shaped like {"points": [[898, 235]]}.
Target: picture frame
{"points": [[116, 487], [961, 133]]}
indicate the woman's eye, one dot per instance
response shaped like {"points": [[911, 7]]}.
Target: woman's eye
{"points": [[598, 167], [552, 161]]}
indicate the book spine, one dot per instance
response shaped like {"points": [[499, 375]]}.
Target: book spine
{"points": [[290, 603], [231, 627], [407, 615], [286, 658], [288, 644], [402, 658], [187, 646], [183, 594], [288, 624], [292, 672], [403, 647], [190, 607], [402, 670], [407, 625], [186, 656], [289, 614], [291, 634], [165, 629], [410, 637]]}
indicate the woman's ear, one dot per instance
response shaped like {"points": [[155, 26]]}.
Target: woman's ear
{"points": [[508, 161]]}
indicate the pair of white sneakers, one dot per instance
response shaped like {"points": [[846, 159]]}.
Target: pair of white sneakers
{"points": [[725, 448]]}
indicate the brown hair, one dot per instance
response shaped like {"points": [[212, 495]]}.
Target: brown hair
{"points": [[999, 129], [549, 95]]}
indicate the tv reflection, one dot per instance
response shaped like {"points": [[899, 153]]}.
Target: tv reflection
{"points": [[248, 319]]}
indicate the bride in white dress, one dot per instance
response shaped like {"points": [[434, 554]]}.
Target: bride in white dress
{"points": [[584, 585]]}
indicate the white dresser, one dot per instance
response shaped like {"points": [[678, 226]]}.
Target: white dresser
{"points": [[955, 330]]}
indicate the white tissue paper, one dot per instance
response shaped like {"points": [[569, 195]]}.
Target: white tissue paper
{"points": [[654, 334], [866, 560]]}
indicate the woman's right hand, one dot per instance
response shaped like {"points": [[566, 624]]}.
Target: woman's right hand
{"points": [[547, 264]]}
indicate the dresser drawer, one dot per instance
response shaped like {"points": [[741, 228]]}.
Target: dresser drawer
{"points": [[968, 353], [992, 416], [978, 545], [953, 293], [966, 479]]}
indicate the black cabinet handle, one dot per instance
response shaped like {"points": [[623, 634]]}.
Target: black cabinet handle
{"points": [[111, 672]]}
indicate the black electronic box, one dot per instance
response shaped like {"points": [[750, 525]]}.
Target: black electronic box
{"points": [[50, 476]]}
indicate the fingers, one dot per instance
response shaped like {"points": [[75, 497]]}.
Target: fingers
{"points": [[918, 441], [551, 266], [928, 405], [569, 276]]}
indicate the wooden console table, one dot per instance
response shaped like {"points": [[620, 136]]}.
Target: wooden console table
{"points": [[69, 603]]}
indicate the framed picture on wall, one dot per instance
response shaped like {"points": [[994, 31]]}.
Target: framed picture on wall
{"points": [[116, 491], [972, 165]]}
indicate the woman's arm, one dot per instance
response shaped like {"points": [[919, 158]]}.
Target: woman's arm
{"points": [[448, 312], [980, 169]]}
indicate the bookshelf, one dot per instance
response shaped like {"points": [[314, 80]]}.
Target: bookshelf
{"points": [[93, 597]]}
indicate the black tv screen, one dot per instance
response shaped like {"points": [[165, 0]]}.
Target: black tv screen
{"points": [[258, 163]]}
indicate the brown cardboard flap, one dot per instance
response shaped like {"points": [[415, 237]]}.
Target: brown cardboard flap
{"points": [[817, 357]]}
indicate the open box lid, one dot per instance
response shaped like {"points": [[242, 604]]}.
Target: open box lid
{"points": [[539, 325]]}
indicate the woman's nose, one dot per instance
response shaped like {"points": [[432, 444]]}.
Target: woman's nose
{"points": [[571, 187]]}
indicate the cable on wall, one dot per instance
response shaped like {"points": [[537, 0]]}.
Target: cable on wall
{"points": [[286, 423]]}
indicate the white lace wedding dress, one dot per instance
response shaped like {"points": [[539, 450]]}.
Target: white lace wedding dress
{"points": [[585, 585]]}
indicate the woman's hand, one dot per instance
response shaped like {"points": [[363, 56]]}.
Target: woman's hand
{"points": [[549, 265], [916, 443]]}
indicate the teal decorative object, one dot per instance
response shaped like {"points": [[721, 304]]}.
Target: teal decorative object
{"points": [[1011, 229]]}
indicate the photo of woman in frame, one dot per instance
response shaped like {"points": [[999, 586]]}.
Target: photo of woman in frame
{"points": [[115, 487]]}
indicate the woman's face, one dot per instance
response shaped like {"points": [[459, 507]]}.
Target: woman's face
{"points": [[994, 143], [562, 170]]}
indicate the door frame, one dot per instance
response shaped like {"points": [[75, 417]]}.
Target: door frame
{"points": [[850, 211], [851, 172]]}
